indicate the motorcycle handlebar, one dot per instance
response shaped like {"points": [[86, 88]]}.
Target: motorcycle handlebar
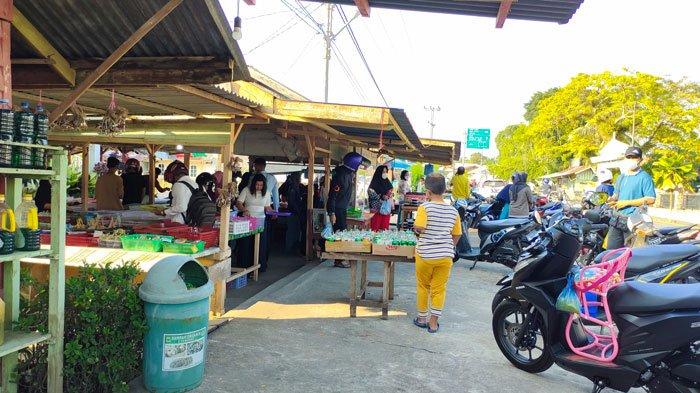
{"points": [[598, 227]]}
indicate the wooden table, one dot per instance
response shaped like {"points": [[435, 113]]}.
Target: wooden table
{"points": [[358, 298]]}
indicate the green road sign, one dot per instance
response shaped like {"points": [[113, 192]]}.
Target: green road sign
{"points": [[478, 138]]}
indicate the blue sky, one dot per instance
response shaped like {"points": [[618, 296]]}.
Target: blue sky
{"points": [[479, 76]]}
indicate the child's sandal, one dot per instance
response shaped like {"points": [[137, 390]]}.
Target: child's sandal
{"points": [[421, 325]]}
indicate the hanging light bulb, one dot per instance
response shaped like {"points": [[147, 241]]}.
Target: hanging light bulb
{"points": [[179, 147], [237, 34], [237, 21]]}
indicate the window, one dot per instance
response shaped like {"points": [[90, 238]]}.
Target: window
{"points": [[193, 171]]}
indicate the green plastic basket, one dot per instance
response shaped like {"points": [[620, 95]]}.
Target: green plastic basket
{"points": [[141, 242], [184, 248], [354, 213]]}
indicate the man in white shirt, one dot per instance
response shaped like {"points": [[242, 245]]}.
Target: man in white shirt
{"points": [[176, 173], [270, 181]]}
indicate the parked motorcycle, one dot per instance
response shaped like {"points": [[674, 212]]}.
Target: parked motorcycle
{"points": [[658, 325]]}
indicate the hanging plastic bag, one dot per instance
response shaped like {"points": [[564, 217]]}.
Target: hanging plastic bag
{"points": [[567, 300], [387, 207], [327, 231]]}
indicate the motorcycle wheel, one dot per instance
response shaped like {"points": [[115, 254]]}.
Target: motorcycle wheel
{"points": [[507, 321]]}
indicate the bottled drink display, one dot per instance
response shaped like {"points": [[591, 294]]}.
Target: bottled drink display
{"points": [[41, 135], [351, 235], [7, 131], [7, 228], [395, 238], [24, 133], [27, 237]]}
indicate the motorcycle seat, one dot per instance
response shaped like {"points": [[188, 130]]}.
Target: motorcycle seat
{"points": [[667, 230], [645, 259], [633, 297], [497, 225]]}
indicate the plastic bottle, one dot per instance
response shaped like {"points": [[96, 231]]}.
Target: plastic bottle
{"points": [[28, 235], [7, 228], [24, 133], [7, 131], [41, 137]]}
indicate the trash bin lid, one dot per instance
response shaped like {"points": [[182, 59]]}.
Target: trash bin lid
{"points": [[177, 279]]}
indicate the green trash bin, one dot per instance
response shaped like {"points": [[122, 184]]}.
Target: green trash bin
{"points": [[176, 295]]}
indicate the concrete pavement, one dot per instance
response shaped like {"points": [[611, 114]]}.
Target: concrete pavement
{"points": [[296, 336]]}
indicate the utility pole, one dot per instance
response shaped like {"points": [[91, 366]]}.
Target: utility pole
{"points": [[328, 37], [431, 123]]}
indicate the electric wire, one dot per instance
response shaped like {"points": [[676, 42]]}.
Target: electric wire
{"points": [[348, 73], [362, 55]]}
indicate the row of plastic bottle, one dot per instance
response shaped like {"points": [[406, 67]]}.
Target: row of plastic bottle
{"points": [[351, 235], [395, 238], [19, 231], [23, 127]]}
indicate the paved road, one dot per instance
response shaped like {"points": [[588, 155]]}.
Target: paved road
{"points": [[298, 338]]}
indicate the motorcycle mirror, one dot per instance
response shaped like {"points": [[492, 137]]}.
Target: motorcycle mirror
{"points": [[538, 217]]}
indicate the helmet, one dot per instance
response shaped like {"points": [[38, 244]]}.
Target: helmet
{"points": [[132, 165], [174, 171], [604, 175], [353, 161]]}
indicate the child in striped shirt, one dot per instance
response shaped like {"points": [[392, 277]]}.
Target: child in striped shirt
{"points": [[438, 228]]}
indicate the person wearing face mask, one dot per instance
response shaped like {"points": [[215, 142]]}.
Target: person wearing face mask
{"points": [[634, 188], [380, 190]]}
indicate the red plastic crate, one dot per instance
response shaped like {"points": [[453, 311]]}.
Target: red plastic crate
{"points": [[78, 240], [209, 236]]}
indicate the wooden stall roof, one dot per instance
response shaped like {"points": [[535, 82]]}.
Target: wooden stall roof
{"points": [[172, 70]]}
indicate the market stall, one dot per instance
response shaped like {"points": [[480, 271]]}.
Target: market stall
{"points": [[361, 247]]}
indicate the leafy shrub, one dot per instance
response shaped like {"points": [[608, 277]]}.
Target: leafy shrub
{"points": [[104, 330]]}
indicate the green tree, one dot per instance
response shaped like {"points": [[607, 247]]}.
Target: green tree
{"points": [[574, 121], [672, 172]]}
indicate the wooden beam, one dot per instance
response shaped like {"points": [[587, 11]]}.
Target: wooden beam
{"points": [[226, 155], [400, 132], [219, 17], [34, 61], [503, 11], [310, 144], [34, 97], [37, 41], [140, 101], [327, 113], [85, 178], [363, 7], [213, 98], [6, 71], [114, 57], [151, 173], [322, 150]]}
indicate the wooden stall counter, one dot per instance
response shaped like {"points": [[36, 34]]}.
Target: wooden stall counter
{"points": [[358, 298]]}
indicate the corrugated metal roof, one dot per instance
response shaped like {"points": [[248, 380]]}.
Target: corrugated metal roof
{"points": [[559, 11], [85, 29]]}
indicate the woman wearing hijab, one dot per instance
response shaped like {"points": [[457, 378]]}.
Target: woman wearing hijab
{"points": [[521, 198], [380, 190]]}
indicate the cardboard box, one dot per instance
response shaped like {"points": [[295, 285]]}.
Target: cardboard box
{"points": [[359, 247], [399, 251]]}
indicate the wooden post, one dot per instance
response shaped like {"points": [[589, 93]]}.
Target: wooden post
{"points": [[151, 173], [113, 58], [226, 154], [186, 161], [327, 181], [85, 185], [310, 145], [57, 284], [5, 42], [11, 271]]}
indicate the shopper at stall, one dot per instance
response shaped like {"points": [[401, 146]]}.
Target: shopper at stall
{"points": [[42, 198], [157, 185], [379, 195], [109, 189], [271, 182], [205, 181], [134, 182], [341, 191], [460, 185], [177, 174], [254, 201], [404, 186], [296, 223], [439, 229]]}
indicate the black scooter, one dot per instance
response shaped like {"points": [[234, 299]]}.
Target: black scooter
{"points": [[659, 325]]}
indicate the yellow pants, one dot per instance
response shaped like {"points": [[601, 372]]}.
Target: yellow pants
{"points": [[431, 282]]}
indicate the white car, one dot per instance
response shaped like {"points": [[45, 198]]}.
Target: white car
{"points": [[489, 188]]}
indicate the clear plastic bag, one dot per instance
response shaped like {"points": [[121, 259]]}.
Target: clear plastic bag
{"points": [[568, 300]]}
